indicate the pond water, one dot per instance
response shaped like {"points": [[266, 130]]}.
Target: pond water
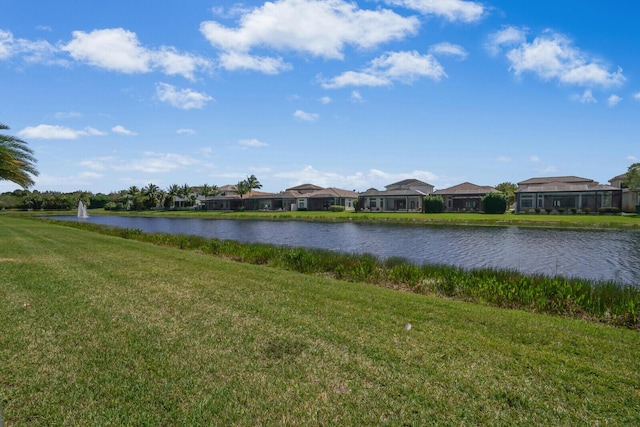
{"points": [[590, 254]]}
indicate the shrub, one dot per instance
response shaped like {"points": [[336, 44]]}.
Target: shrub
{"points": [[574, 210], [537, 210], [586, 210], [495, 203], [548, 210], [433, 204], [356, 205], [561, 210], [336, 208]]}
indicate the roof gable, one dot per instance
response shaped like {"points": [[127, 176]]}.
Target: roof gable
{"points": [[467, 188]]}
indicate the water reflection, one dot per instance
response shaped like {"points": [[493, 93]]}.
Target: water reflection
{"points": [[591, 254]]}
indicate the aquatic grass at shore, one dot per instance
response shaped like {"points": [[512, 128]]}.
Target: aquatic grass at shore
{"points": [[602, 301]]}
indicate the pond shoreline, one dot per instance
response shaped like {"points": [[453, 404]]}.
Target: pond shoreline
{"points": [[564, 221]]}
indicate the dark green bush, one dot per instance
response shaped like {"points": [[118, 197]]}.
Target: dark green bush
{"points": [[336, 208], [433, 204], [495, 203]]}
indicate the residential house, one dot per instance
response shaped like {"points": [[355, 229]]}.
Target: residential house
{"points": [[228, 200], [305, 197], [566, 192], [402, 196], [630, 198], [465, 197]]}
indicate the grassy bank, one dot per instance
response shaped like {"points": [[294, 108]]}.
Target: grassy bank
{"points": [[99, 330], [607, 302]]}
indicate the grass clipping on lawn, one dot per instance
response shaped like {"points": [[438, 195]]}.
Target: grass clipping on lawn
{"points": [[98, 330]]}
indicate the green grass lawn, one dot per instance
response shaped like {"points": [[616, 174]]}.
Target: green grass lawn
{"points": [[98, 330]]}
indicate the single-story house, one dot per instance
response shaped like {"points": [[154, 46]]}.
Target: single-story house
{"points": [[465, 197], [566, 192], [306, 196], [630, 198], [402, 196], [228, 200]]}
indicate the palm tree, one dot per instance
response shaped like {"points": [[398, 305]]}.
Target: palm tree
{"points": [[172, 192], [185, 193], [242, 188], [253, 183], [16, 160], [152, 193]]}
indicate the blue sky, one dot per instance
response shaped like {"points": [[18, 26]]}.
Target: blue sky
{"points": [[346, 94]]}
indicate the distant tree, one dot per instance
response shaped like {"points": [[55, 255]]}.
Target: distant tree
{"points": [[632, 178], [509, 189], [242, 188], [433, 203], [495, 203], [17, 163], [185, 193], [253, 183], [172, 192], [152, 195]]}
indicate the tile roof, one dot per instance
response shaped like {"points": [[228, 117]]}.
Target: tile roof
{"points": [[466, 188]]}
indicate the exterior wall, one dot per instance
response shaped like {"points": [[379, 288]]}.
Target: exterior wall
{"points": [[391, 203], [592, 200], [471, 203]]}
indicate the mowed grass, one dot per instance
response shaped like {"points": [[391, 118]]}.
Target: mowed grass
{"points": [[99, 330]]}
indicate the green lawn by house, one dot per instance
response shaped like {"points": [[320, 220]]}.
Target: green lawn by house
{"points": [[99, 330]]}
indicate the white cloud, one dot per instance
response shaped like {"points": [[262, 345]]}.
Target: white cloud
{"points": [[508, 36], [503, 159], [254, 143], [56, 132], [586, 97], [452, 10], [155, 163], [317, 28], [186, 131], [325, 100], [98, 163], [31, 51], [123, 131], [307, 117], [632, 158], [613, 100], [67, 115], [185, 99], [534, 158], [234, 61], [636, 96], [552, 56], [404, 67], [449, 49], [356, 97], [117, 49]]}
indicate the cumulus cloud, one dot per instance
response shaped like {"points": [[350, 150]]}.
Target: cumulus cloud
{"points": [[636, 96], [306, 117], [254, 143], [67, 115], [325, 100], [117, 49], [534, 158], [451, 10], [404, 67], [56, 132], [123, 131], [449, 49], [311, 27], [613, 100], [552, 56], [185, 99], [509, 36], [356, 97]]}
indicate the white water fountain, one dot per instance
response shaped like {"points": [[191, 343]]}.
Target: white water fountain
{"points": [[82, 210]]}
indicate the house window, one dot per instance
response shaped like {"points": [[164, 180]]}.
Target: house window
{"points": [[606, 200], [526, 202], [541, 200], [556, 203], [381, 203], [470, 204], [413, 204], [372, 203]]}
